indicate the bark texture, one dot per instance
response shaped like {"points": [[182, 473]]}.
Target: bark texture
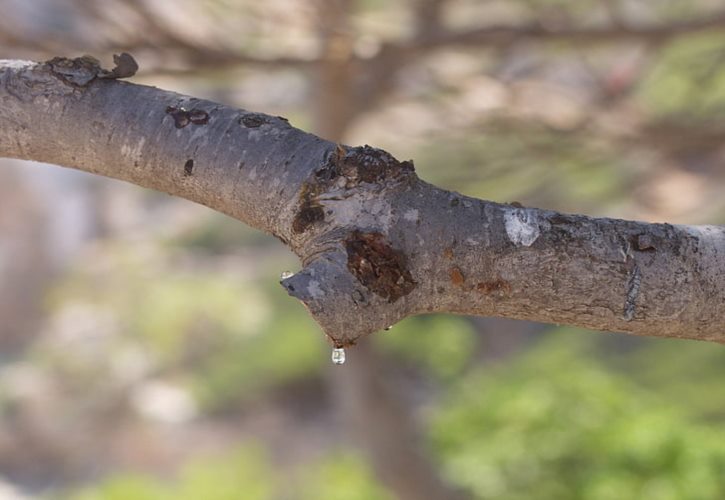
{"points": [[377, 243]]}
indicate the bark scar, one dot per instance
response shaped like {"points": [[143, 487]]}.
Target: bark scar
{"points": [[182, 117], [633, 285], [346, 168], [80, 71], [378, 266]]}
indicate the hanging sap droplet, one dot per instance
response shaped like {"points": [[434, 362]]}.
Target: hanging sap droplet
{"points": [[285, 275], [338, 355]]}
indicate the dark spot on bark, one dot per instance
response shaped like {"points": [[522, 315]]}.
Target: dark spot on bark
{"points": [[310, 213], [559, 219], [283, 119], [180, 116], [516, 204], [240, 166], [188, 167], [183, 117], [455, 202], [379, 267], [198, 117], [644, 243], [495, 286], [253, 120], [457, 277]]}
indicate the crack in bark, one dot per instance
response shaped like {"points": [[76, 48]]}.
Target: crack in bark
{"points": [[633, 285]]}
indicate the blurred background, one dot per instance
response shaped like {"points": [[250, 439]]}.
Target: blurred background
{"points": [[147, 351]]}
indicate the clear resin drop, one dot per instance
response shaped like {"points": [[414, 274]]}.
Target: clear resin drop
{"points": [[338, 355], [285, 275]]}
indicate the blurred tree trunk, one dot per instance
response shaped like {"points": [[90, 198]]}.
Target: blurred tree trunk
{"points": [[376, 416], [25, 265], [380, 424]]}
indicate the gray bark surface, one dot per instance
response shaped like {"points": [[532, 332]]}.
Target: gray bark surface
{"points": [[377, 243]]}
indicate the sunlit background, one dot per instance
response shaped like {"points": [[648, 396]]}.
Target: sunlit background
{"points": [[147, 351]]}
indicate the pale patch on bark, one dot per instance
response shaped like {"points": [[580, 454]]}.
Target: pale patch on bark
{"points": [[522, 226], [314, 290], [357, 210], [411, 215], [133, 152]]}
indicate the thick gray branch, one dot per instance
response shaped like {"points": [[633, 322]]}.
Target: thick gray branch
{"points": [[377, 243]]}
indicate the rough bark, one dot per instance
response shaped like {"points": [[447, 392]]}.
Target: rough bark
{"points": [[376, 242]]}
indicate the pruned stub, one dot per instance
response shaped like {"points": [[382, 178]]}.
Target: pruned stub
{"points": [[378, 266]]}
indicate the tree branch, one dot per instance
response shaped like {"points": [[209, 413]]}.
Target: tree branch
{"points": [[377, 243], [504, 35]]}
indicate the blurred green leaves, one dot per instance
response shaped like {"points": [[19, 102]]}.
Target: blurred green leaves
{"points": [[555, 425], [341, 477], [440, 345], [530, 163], [243, 475], [688, 79], [246, 474], [211, 329]]}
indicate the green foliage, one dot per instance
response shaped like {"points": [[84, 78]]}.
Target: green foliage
{"points": [[440, 344], [246, 475], [688, 79], [124, 488], [685, 372], [213, 331], [219, 234], [554, 425], [243, 475], [538, 166], [341, 477]]}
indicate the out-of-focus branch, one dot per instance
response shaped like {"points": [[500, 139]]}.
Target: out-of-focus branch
{"points": [[502, 35]]}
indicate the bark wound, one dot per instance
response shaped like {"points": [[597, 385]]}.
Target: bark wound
{"points": [[253, 120], [310, 212], [348, 167], [188, 168], [183, 117], [80, 71], [362, 164], [457, 277], [644, 243], [497, 286], [378, 266]]}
